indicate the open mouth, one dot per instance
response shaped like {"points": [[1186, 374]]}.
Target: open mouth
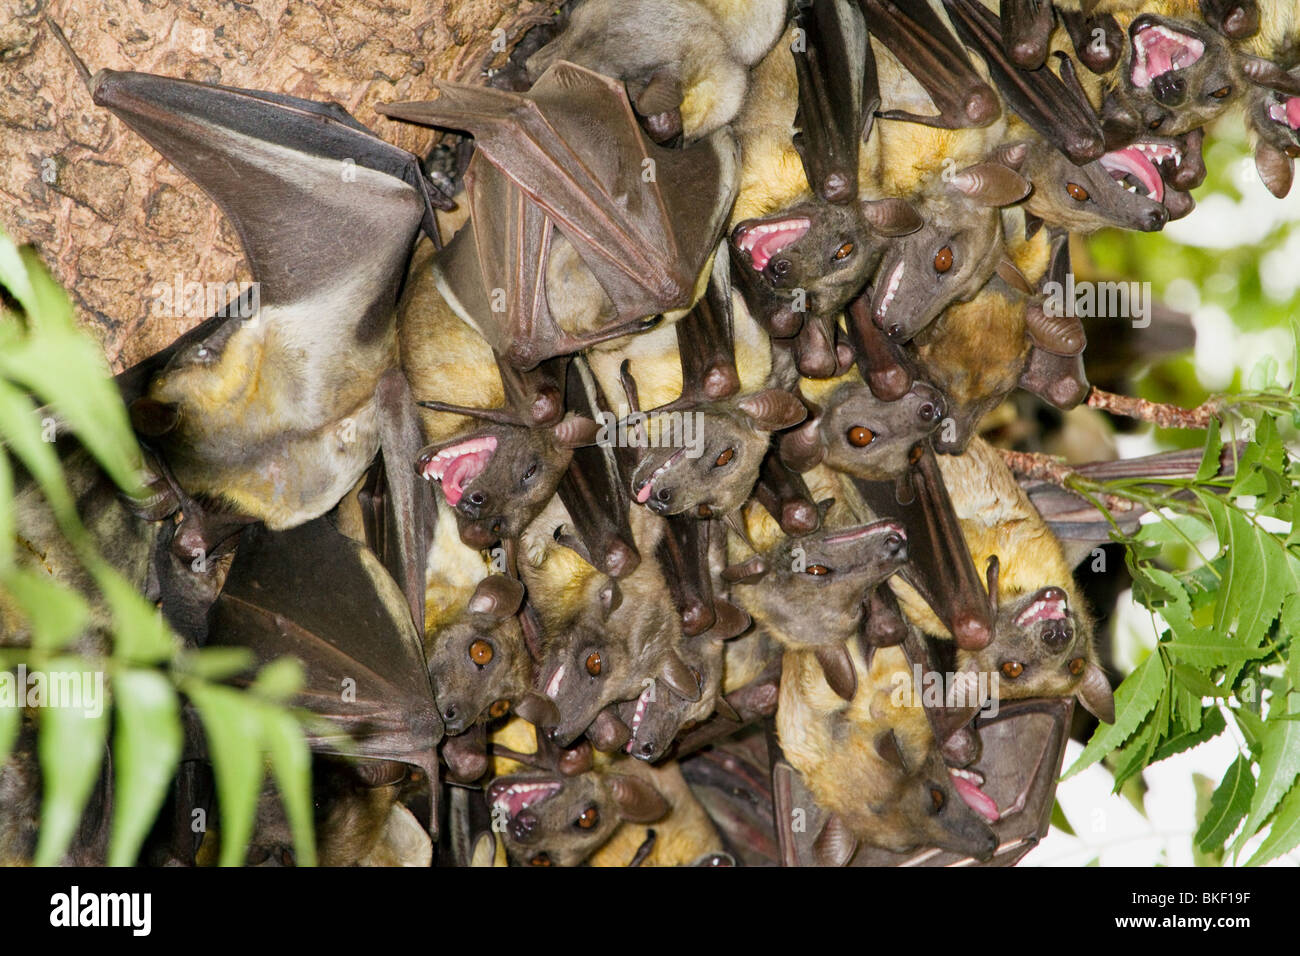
{"points": [[1158, 50], [457, 465], [1134, 167], [1049, 604], [646, 487], [1286, 111], [762, 240], [969, 785], [637, 715], [866, 530], [515, 798], [891, 290]]}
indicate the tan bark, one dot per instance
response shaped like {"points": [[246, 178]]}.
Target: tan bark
{"points": [[107, 214]]}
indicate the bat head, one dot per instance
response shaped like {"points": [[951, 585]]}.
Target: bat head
{"points": [[499, 478], [556, 820], [860, 435], [952, 255], [479, 664], [819, 251], [662, 711], [715, 475], [1176, 75], [946, 809], [1042, 647], [811, 589], [1274, 119], [1124, 188]]}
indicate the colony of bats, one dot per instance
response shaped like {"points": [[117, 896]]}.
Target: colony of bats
{"points": [[625, 453]]}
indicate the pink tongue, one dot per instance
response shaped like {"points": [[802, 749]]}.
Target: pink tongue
{"points": [[1131, 160], [1293, 112], [1160, 57], [643, 495], [456, 473], [976, 799]]}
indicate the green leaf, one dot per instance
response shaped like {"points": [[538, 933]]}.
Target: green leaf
{"points": [[1134, 699], [233, 730], [57, 615], [1283, 833], [140, 634], [70, 744], [1205, 649], [1279, 765], [1059, 819], [13, 274], [291, 764], [278, 680], [1213, 447], [1210, 727], [215, 663], [8, 519], [10, 719], [146, 751], [21, 429]]}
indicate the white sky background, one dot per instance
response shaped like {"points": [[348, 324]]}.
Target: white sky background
{"points": [[1108, 827]]}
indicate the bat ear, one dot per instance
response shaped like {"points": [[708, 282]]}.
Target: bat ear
{"points": [[801, 449], [611, 597], [724, 709], [837, 668], [636, 800], [889, 750], [835, 845], [497, 595], [574, 760], [1275, 169], [892, 216], [747, 573], [576, 431], [1013, 154], [538, 710], [607, 733], [1095, 694], [679, 677], [152, 418], [1269, 75], [991, 184], [773, 409], [730, 621]]}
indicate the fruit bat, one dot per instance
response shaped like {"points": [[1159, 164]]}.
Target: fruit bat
{"points": [[362, 657], [1056, 107], [226, 411], [1274, 119], [917, 35], [1026, 31], [581, 229]]}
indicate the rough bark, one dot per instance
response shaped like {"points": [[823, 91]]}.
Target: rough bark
{"points": [[107, 214]]}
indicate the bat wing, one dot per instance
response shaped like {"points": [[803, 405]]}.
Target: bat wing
{"points": [[326, 211], [362, 657], [941, 567], [838, 95], [1054, 106]]}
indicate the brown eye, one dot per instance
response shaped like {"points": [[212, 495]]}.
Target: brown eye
{"points": [[937, 799], [540, 860], [1077, 192], [860, 436], [480, 652], [843, 252], [593, 663], [943, 261], [590, 817], [1077, 665], [817, 570], [1221, 92], [1013, 669], [725, 457], [499, 708]]}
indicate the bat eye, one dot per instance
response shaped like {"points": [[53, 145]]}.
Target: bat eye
{"points": [[943, 260], [817, 570], [532, 470], [480, 652], [593, 664], [1221, 93], [499, 708], [860, 436], [1077, 665], [725, 458], [1012, 669], [937, 799], [590, 817], [540, 860], [843, 252], [1077, 192]]}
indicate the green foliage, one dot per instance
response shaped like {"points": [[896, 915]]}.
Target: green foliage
{"points": [[50, 372], [1226, 621]]}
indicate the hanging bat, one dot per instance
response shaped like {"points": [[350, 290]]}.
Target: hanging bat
{"points": [[217, 410], [1026, 31], [362, 656], [581, 229], [1274, 120]]}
